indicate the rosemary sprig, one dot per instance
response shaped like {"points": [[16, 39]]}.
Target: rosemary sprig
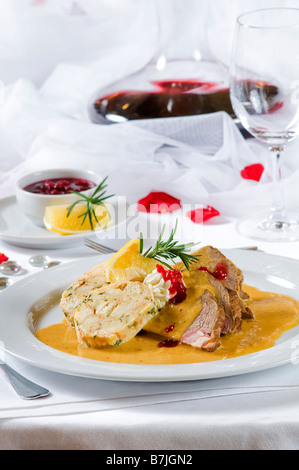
{"points": [[170, 250], [96, 199]]}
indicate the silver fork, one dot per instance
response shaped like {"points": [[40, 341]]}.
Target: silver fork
{"points": [[98, 247], [105, 250]]}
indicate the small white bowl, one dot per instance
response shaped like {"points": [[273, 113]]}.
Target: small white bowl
{"points": [[34, 205]]}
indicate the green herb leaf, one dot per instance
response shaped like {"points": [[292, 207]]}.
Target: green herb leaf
{"points": [[95, 199], [141, 243], [170, 250]]}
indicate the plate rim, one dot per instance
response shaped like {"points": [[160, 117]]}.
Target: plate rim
{"points": [[267, 359]]}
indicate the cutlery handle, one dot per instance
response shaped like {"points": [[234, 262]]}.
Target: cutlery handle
{"points": [[25, 388]]}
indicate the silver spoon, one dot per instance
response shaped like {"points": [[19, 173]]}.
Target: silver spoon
{"points": [[25, 388]]}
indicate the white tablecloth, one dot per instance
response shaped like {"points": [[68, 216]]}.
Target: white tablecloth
{"points": [[93, 414]]}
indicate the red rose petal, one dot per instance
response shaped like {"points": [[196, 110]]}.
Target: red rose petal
{"points": [[3, 258], [253, 172], [200, 216], [159, 203]]}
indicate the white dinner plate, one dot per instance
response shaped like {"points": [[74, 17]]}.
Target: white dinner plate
{"points": [[33, 303], [18, 230]]}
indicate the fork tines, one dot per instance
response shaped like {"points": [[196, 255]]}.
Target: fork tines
{"points": [[98, 247]]}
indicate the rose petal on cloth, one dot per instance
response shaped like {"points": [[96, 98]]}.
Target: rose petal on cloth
{"points": [[253, 172], [199, 216], [159, 203], [3, 258]]}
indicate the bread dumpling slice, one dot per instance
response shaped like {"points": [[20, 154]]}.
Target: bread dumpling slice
{"points": [[114, 314], [80, 290], [77, 293]]}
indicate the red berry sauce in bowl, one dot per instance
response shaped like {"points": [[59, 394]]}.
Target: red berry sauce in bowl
{"points": [[57, 186], [53, 187]]}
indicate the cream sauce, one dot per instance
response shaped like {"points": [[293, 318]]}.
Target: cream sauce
{"points": [[275, 314], [184, 314]]}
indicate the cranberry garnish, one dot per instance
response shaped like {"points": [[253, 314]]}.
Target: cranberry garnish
{"points": [[206, 270], [220, 272], [179, 298], [170, 328], [168, 343], [177, 289]]}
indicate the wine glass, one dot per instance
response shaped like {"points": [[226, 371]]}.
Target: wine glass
{"points": [[264, 84]]}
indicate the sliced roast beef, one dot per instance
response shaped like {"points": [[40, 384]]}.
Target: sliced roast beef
{"points": [[209, 312], [214, 306], [229, 300], [205, 332], [227, 272], [215, 261]]}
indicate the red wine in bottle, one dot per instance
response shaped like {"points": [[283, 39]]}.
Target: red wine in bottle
{"points": [[171, 98]]}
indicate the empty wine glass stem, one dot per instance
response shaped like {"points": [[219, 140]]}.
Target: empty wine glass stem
{"points": [[278, 203]]}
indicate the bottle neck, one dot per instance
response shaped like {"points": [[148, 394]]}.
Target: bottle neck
{"points": [[181, 31]]}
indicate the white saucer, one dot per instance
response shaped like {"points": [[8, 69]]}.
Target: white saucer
{"points": [[18, 230]]}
